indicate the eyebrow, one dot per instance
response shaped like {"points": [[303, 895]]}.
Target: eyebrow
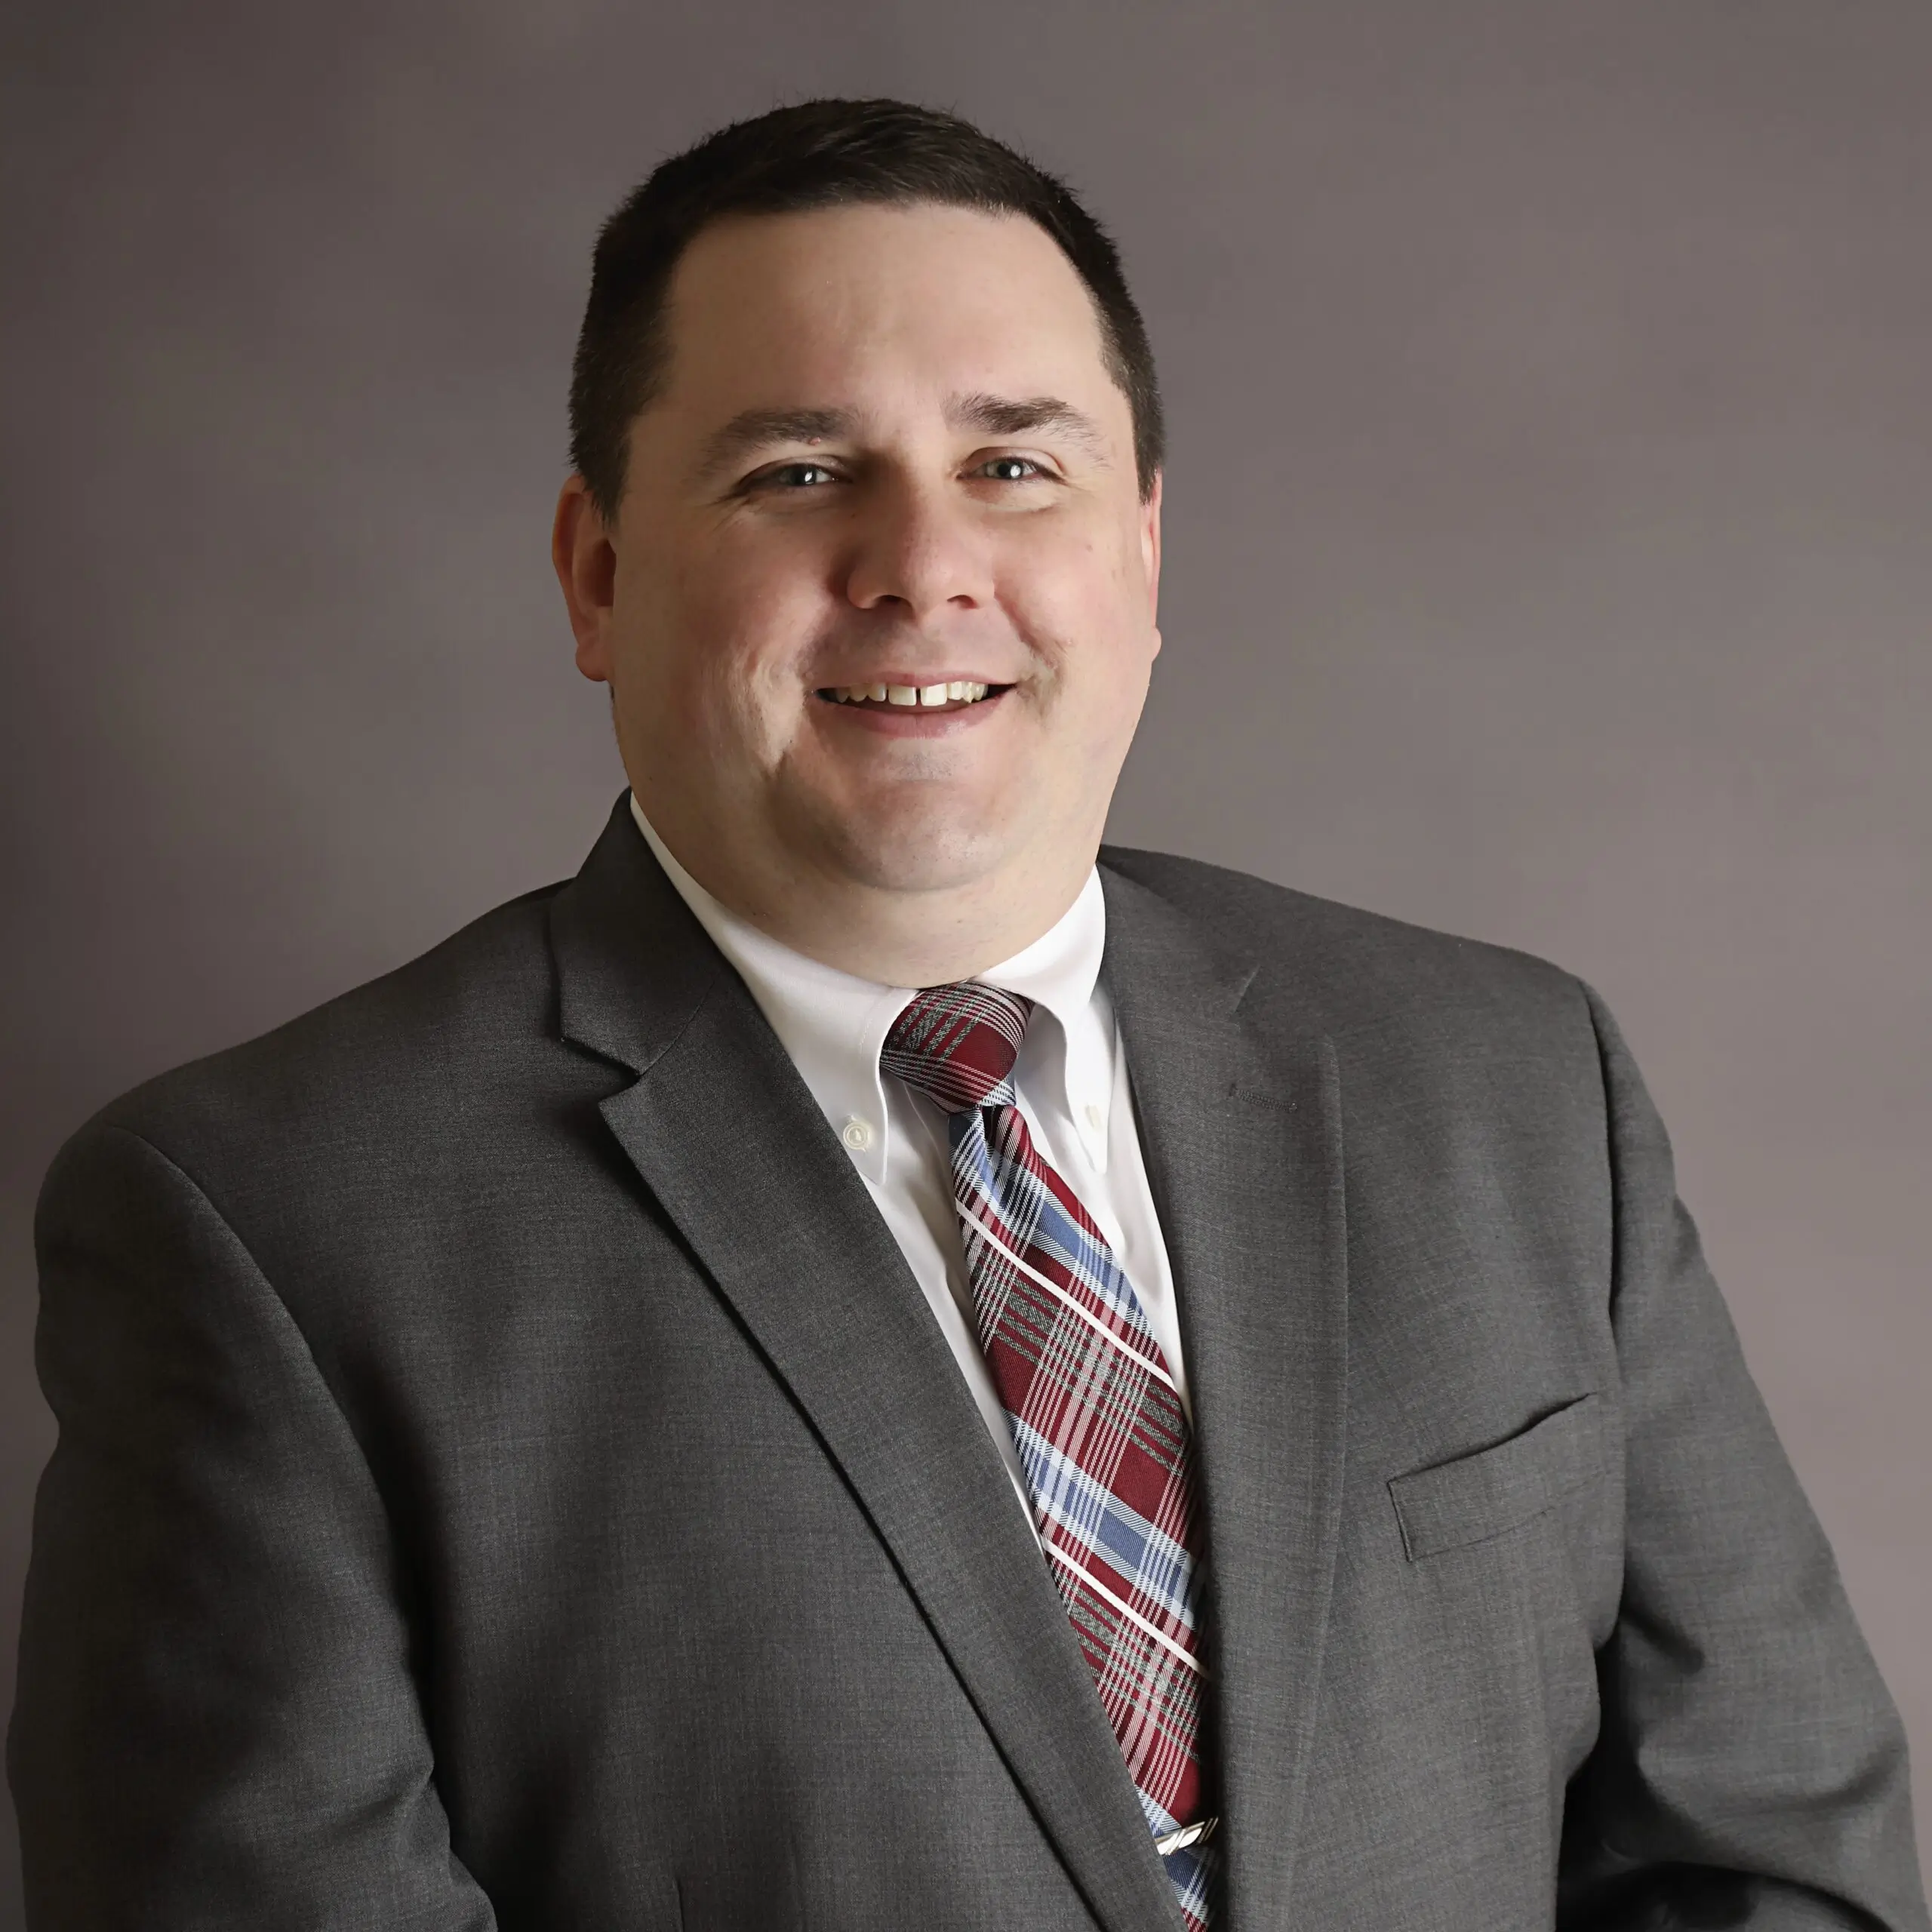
{"points": [[1007, 416], [751, 430]]}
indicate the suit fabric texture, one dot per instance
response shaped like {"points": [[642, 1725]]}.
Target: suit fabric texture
{"points": [[507, 1476]]}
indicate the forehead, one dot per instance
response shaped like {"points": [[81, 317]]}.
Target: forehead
{"points": [[837, 301]]}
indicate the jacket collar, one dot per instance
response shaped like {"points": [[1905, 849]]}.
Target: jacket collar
{"points": [[725, 1134]]}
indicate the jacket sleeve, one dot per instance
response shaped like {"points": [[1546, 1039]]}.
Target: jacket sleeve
{"points": [[1750, 1769], [216, 1721]]}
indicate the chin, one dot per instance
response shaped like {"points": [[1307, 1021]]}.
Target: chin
{"points": [[924, 851]]}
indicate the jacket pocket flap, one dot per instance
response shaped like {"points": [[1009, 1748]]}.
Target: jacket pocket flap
{"points": [[1480, 1496]]}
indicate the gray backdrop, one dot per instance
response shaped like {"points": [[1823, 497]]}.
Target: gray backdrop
{"points": [[1552, 389]]}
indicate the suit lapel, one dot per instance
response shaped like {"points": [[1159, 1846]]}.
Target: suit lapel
{"points": [[727, 1138], [1243, 1145]]}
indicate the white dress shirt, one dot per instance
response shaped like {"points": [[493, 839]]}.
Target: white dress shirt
{"points": [[1071, 1082]]}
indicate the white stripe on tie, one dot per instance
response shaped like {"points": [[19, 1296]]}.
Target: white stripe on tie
{"points": [[1053, 1287], [1132, 1615]]}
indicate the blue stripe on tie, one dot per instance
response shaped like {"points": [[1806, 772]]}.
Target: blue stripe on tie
{"points": [[1158, 1566], [1039, 1220], [1188, 1870]]}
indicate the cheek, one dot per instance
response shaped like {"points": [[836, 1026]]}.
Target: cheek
{"points": [[1086, 608], [719, 640], [1089, 572]]}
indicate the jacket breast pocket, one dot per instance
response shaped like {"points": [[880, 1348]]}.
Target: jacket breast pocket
{"points": [[1493, 1490]]}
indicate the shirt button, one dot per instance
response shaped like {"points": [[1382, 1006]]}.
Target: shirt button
{"points": [[1093, 1117], [857, 1134]]}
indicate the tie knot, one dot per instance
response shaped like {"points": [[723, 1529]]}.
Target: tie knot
{"points": [[957, 1044]]}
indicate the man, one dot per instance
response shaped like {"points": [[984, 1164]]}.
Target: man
{"points": [[849, 1367]]}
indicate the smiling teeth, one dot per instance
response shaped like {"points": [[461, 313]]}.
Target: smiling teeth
{"points": [[960, 691]]}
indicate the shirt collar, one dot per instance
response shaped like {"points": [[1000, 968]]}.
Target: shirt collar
{"points": [[834, 1024], [1059, 972]]}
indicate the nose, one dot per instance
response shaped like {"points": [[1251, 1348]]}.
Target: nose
{"points": [[918, 551]]}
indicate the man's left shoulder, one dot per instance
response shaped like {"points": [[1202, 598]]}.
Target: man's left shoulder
{"points": [[1346, 970]]}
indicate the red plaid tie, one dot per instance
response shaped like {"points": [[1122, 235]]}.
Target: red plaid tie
{"points": [[1099, 1427]]}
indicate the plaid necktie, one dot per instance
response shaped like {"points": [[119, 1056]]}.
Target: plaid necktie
{"points": [[1098, 1427]]}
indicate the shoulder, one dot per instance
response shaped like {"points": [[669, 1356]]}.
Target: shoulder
{"points": [[1347, 970], [365, 1068]]}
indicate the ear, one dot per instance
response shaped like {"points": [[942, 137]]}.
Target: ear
{"points": [[586, 561], [1150, 552]]}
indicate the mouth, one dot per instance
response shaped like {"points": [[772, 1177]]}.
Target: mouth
{"points": [[953, 694]]}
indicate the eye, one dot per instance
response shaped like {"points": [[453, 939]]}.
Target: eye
{"points": [[804, 475], [1011, 469]]}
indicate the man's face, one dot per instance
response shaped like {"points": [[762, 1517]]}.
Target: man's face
{"points": [[887, 460]]}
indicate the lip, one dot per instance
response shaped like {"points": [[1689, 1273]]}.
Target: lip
{"points": [[917, 680]]}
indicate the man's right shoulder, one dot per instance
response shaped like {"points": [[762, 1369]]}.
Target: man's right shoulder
{"points": [[419, 1046]]}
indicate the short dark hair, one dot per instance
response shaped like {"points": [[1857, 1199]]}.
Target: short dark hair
{"points": [[820, 154]]}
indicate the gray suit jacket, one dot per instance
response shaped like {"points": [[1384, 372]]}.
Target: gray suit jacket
{"points": [[507, 1475]]}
